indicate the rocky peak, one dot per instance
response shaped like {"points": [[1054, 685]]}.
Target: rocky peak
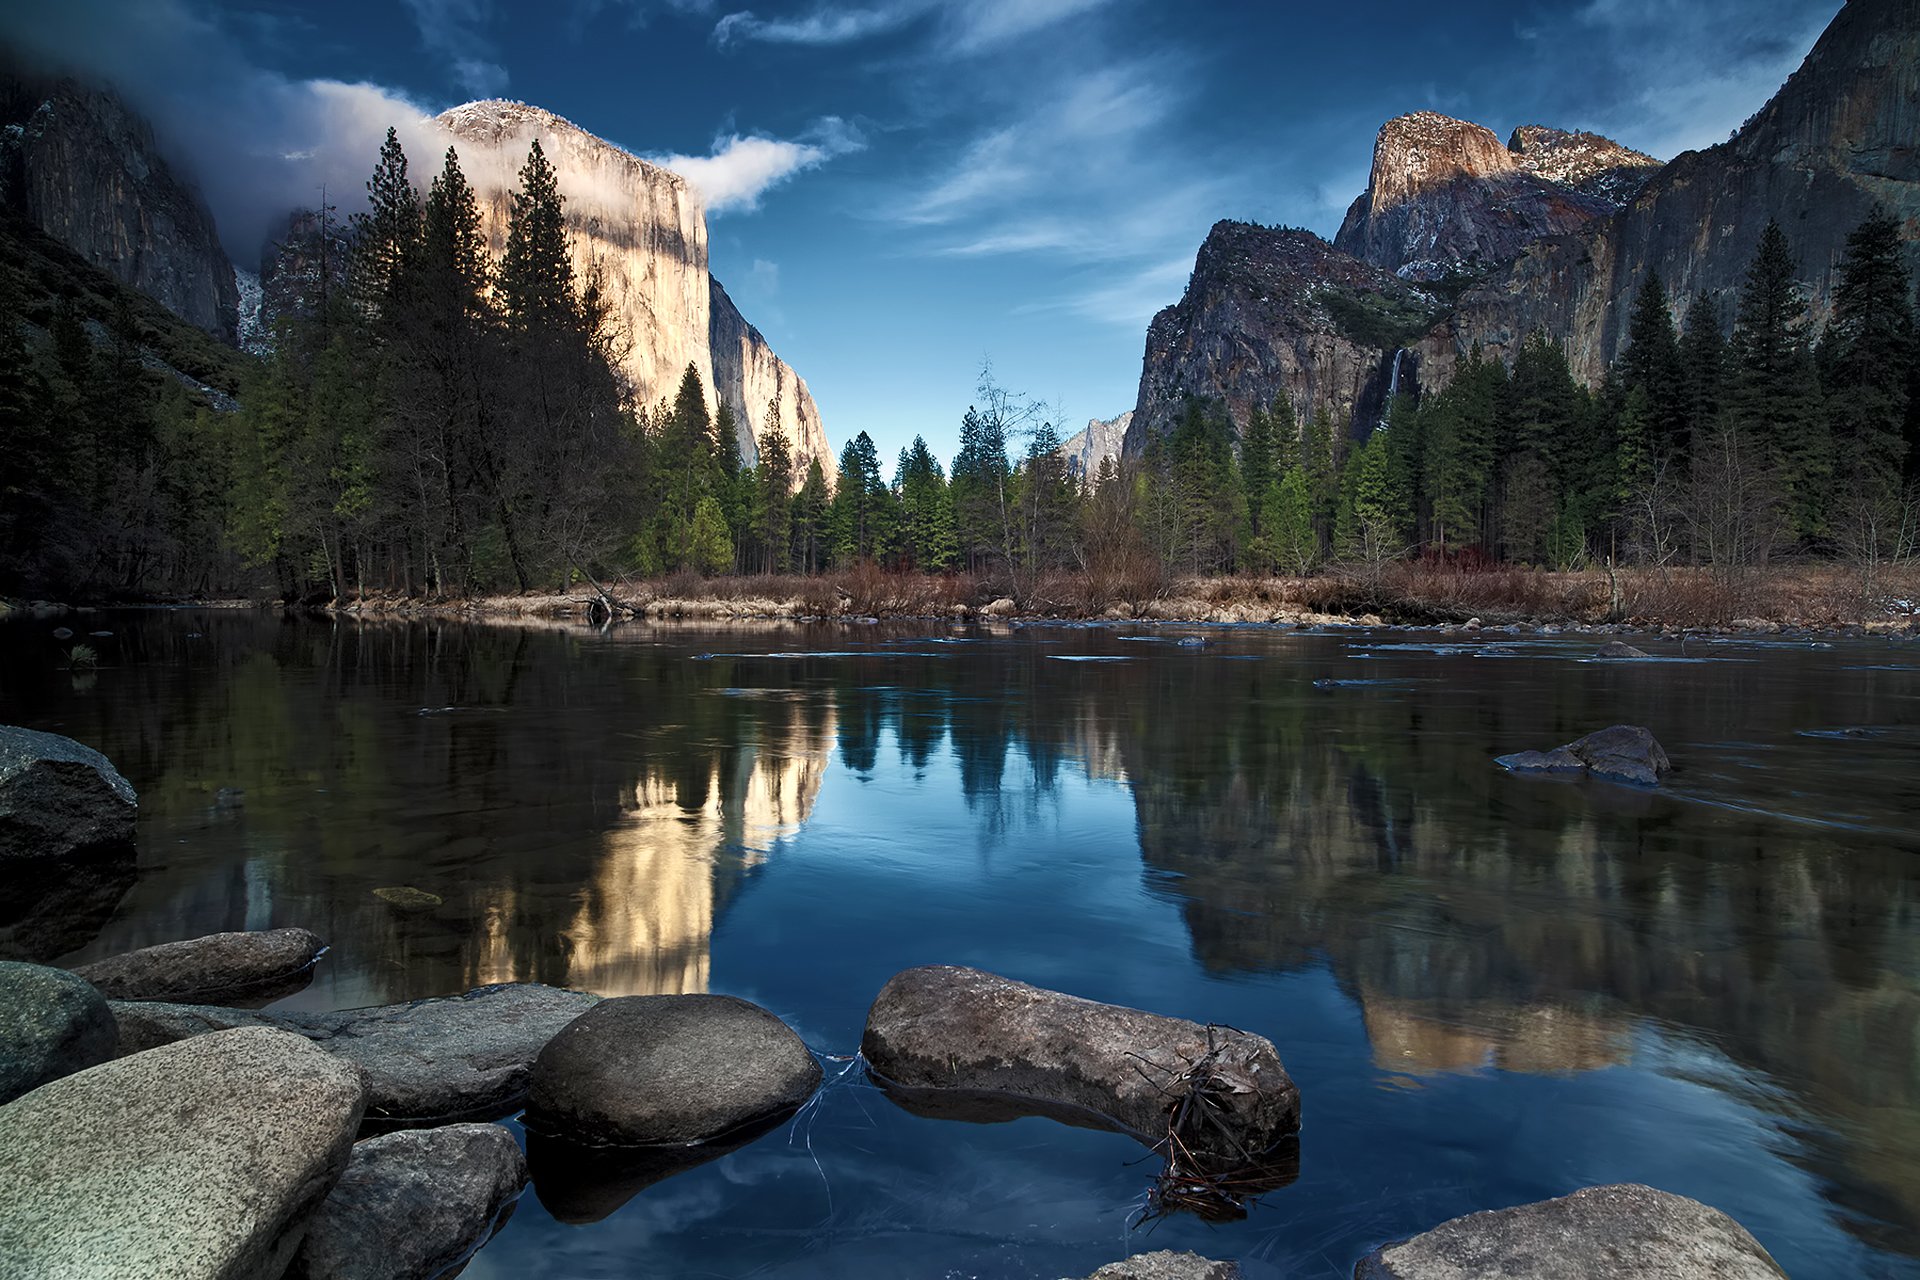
{"points": [[1585, 162], [1424, 150], [1088, 448]]}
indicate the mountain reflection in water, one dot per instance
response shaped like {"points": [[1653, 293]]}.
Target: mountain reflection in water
{"points": [[1489, 988]]}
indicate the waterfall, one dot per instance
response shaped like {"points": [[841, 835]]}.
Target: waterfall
{"points": [[1393, 386]]}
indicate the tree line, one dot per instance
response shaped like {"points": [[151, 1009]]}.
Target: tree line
{"points": [[432, 420]]}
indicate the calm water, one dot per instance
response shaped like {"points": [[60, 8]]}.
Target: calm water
{"points": [[1489, 989]]}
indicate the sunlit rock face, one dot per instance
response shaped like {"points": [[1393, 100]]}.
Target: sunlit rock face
{"points": [[1445, 196], [644, 231], [84, 168], [1094, 443]]}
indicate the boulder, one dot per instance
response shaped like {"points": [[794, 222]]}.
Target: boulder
{"points": [[202, 1159], [414, 1205], [1621, 753], [216, 969], [668, 1070], [464, 1057], [1004, 607], [942, 1031], [58, 797], [1167, 1264], [1619, 649], [52, 1024], [1620, 1232]]}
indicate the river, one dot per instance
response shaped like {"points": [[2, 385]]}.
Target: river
{"points": [[1489, 988]]}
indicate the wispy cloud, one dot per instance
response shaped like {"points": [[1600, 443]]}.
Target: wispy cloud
{"points": [[454, 30], [964, 25], [739, 170]]}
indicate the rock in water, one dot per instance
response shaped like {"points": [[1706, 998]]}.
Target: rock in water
{"points": [[1166, 1264], [947, 1030], [52, 1024], [1620, 1232], [649, 1070], [212, 970], [414, 1205], [50, 906], [195, 1160], [1619, 649], [1620, 753], [452, 1057], [58, 797]]}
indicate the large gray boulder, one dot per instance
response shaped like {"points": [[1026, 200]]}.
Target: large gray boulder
{"points": [[198, 1160], [59, 797], [1619, 650], [1620, 1232], [655, 1070], [464, 1057], [1620, 753], [1167, 1264], [216, 969], [52, 1024], [941, 1030], [414, 1205]]}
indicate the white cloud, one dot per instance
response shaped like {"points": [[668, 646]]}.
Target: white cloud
{"points": [[822, 27], [453, 30], [764, 276], [1127, 299], [966, 26], [742, 169]]}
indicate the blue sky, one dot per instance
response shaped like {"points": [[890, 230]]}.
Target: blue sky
{"points": [[902, 190]]}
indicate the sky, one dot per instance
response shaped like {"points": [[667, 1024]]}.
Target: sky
{"points": [[901, 193]]}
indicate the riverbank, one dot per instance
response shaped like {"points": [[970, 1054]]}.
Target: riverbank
{"points": [[1819, 597]]}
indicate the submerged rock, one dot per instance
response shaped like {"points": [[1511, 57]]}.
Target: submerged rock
{"points": [[59, 797], [52, 1024], [414, 1205], [404, 897], [215, 969], [449, 1057], [1619, 649], [1620, 753], [195, 1160], [1619, 1232], [945, 1032], [1167, 1264], [650, 1070], [578, 1183], [50, 906]]}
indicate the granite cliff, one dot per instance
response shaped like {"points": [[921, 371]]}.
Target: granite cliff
{"points": [[1460, 241], [644, 230], [1094, 443], [80, 165]]}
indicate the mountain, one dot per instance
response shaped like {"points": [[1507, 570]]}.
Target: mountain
{"points": [[644, 230], [1094, 443], [1444, 196], [79, 164], [1460, 241]]}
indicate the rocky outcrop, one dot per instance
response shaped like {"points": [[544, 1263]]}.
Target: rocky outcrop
{"points": [[1620, 753], [749, 378], [1619, 650], [454, 1057], [1834, 141], [942, 1033], [1619, 1232], [1444, 197], [52, 1024], [1167, 1264], [657, 1070], [644, 231], [198, 1160], [59, 798], [1587, 163], [414, 1205], [217, 969], [1102, 438], [83, 167], [1277, 312]]}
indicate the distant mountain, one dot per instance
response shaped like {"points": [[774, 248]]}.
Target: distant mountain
{"points": [[1094, 443], [1461, 241]]}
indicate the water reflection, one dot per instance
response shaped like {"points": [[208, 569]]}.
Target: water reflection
{"points": [[591, 809]]}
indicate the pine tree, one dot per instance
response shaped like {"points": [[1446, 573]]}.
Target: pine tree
{"points": [[536, 275], [858, 515], [387, 237], [1776, 395], [926, 509], [981, 474], [1869, 354], [773, 495], [810, 520], [1651, 365], [1703, 368]]}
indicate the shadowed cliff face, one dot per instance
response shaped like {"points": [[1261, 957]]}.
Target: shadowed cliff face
{"points": [[644, 230], [82, 167], [1269, 313]]}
